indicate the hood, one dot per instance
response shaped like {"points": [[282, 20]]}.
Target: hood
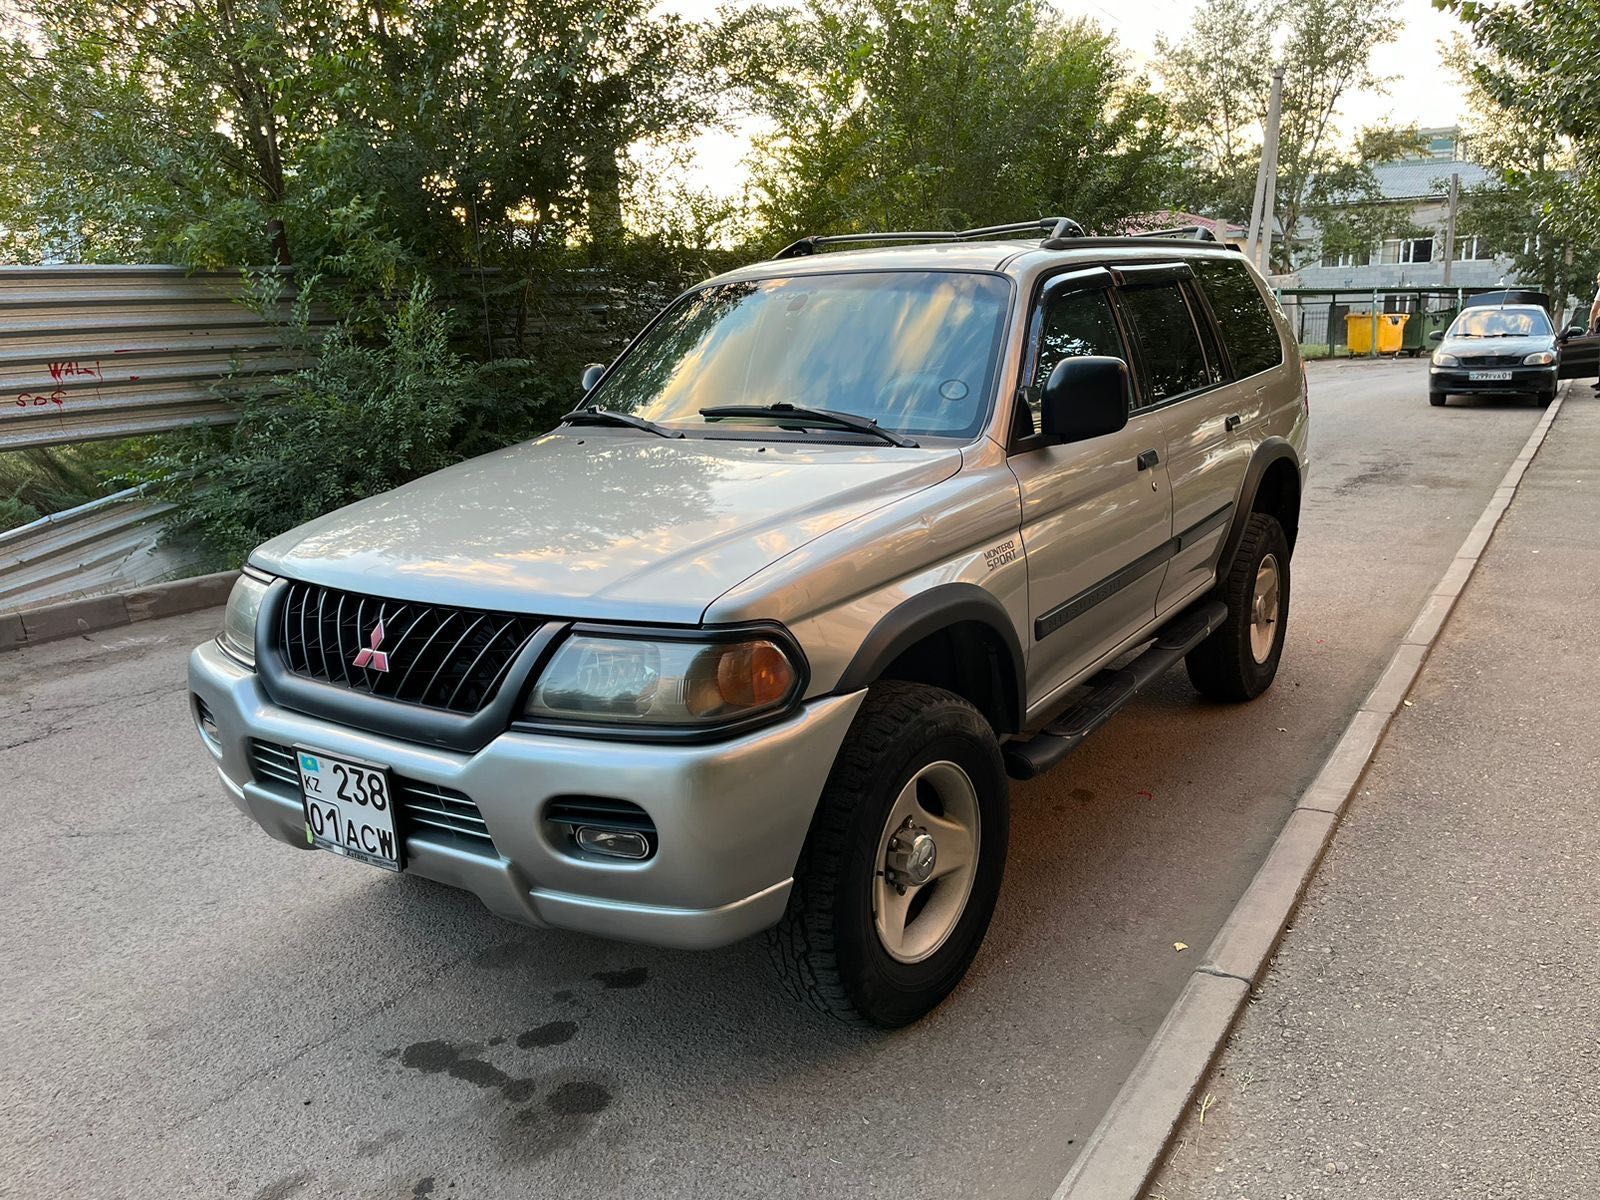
{"points": [[606, 524], [1477, 346]]}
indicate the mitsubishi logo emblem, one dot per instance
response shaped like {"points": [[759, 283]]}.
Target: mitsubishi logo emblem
{"points": [[370, 656]]}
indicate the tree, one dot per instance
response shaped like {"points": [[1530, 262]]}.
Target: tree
{"points": [[945, 113], [1535, 90], [1345, 203], [355, 134], [1217, 78], [1221, 64]]}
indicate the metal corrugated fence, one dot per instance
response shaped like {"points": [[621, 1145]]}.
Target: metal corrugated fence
{"points": [[112, 351], [106, 544]]}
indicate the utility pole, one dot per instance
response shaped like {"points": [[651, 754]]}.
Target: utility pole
{"points": [[1269, 165], [1450, 226]]}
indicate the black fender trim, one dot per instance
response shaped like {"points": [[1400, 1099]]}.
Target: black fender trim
{"points": [[923, 615], [1271, 450]]}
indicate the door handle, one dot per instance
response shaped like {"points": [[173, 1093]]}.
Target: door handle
{"points": [[1148, 459], [1233, 423]]}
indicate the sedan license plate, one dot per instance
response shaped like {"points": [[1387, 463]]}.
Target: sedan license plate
{"points": [[1489, 376], [349, 808]]}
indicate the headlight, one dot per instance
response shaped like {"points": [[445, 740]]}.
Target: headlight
{"points": [[1441, 359], [655, 681], [1540, 358], [239, 618]]}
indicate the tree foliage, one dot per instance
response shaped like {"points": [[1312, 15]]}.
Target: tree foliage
{"points": [[1218, 77], [362, 136], [1533, 71], [943, 114]]}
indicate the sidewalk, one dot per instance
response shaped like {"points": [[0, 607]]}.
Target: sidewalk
{"points": [[1430, 1027]]}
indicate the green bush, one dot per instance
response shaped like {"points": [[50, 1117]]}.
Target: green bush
{"points": [[46, 480], [364, 416]]}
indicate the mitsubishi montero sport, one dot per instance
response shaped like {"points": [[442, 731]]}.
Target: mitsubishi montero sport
{"points": [[755, 638]]}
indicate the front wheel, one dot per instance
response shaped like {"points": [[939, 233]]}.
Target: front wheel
{"points": [[1240, 660], [1436, 399], [899, 875]]}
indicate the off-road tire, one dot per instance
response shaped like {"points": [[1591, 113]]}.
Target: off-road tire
{"points": [[825, 949], [1222, 667], [1437, 399]]}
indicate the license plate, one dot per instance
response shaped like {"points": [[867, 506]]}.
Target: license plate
{"points": [[349, 808], [1489, 376]]}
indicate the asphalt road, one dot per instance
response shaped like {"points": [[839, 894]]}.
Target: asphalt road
{"points": [[190, 1009]]}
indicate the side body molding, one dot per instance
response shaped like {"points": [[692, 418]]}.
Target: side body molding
{"points": [[939, 608]]}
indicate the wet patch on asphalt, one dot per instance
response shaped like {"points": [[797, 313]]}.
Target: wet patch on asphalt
{"points": [[628, 977]]}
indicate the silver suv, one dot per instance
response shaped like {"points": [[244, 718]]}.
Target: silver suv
{"points": [[754, 639]]}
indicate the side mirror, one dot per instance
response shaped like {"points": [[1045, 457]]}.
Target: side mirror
{"points": [[1436, 335], [1085, 398], [1572, 331], [591, 375]]}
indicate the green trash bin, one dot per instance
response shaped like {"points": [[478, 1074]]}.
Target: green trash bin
{"points": [[1417, 341]]}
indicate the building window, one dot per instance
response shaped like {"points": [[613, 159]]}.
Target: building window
{"points": [[1343, 258], [1406, 250], [1473, 249]]}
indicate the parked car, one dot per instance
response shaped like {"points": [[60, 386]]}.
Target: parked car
{"points": [[1510, 350], [755, 638]]}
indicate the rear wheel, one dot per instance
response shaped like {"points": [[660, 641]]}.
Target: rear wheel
{"points": [[899, 875], [1240, 660]]}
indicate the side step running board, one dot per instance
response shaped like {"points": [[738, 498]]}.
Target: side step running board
{"points": [[1109, 691]]}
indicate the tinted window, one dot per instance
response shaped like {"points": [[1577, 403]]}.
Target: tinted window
{"points": [[1208, 339], [913, 350], [1073, 324], [1168, 345], [1247, 326]]}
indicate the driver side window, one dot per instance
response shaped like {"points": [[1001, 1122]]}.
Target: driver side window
{"points": [[1073, 324]]}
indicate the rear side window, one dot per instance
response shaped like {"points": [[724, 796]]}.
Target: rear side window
{"points": [[1247, 326], [1169, 347]]}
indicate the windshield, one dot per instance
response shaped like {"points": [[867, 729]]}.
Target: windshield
{"points": [[912, 350], [1502, 322]]}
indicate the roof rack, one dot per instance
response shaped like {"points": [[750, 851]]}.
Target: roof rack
{"points": [[1054, 229], [1199, 233]]}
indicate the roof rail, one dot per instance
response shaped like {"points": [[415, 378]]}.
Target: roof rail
{"points": [[1199, 233], [1052, 229]]}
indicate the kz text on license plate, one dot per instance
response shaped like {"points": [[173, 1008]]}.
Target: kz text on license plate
{"points": [[349, 808]]}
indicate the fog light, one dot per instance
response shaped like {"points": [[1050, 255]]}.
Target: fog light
{"points": [[207, 723], [613, 843]]}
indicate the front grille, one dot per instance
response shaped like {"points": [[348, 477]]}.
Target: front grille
{"points": [[1491, 360], [425, 654], [434, 808]]}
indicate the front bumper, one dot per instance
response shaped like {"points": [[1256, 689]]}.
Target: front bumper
{"points": [[1524, 381], [731, 817]]}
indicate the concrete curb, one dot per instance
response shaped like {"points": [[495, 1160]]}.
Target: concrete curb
{"points": [[1126, 1148], [71, 618]]}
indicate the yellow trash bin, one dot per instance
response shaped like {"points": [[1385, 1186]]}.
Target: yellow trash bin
{"points": [[1391, 329]]}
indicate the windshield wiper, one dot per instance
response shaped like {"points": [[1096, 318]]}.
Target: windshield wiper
{"points": [[606, 416], [813, 417]]}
